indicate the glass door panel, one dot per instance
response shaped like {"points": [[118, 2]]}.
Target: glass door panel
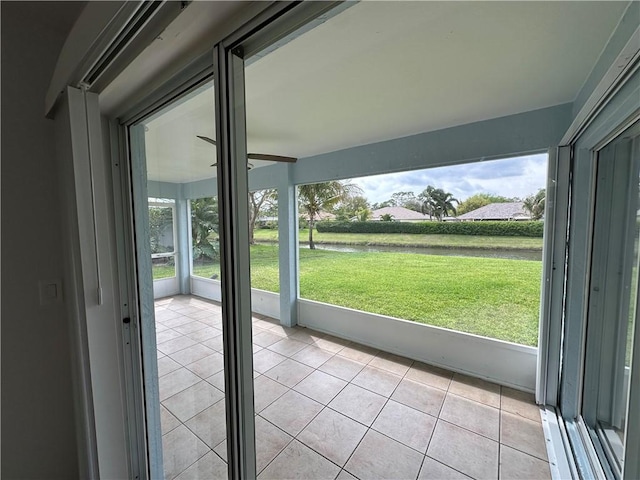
{"points": [[176, 215], [613, 298]]}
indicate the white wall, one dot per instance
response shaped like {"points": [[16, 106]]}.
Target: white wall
{"points": [[38, 426]]}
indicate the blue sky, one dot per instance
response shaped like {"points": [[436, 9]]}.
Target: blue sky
{"points": [[512, 177]]}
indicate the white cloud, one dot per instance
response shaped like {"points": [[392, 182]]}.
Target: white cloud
{"points": [[512, 177]]}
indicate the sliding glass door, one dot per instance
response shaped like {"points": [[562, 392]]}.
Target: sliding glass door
{"points": [[613, 300], [176, 220]]}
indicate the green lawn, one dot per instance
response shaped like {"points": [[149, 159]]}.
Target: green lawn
{"points": [[496, 298], [412, 240], [163, 271]]}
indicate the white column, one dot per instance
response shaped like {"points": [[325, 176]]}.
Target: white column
{"points": [[183, 250], [288, 247]]}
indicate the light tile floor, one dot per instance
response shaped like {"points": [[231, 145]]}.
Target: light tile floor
{"points": [[329, 408]]}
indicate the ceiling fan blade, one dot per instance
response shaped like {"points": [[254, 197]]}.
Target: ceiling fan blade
{"points": [[249, 165], [256, 156], [271, 158], [207, 139]]}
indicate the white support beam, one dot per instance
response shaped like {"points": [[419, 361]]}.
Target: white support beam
{"points": [[183, 247], [165, 189], [504, 137], [288, 247], [520, 134]]}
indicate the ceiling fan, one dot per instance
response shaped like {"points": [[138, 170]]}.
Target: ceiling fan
{"points": [[254, 156]]}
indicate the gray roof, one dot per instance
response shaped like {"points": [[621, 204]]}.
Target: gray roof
{"points": [[398, 213], [498, 211]]}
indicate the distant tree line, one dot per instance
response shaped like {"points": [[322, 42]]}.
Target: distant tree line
{"points": [[342, 199]]}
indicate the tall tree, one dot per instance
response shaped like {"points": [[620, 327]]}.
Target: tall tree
{"points": [[534, 204], [258, 202], [351, 207], [204, 222], [406, 200], [317, 197]]}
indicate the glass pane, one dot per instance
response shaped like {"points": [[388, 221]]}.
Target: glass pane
{"points": [[613, 299], [263, 236], [162, 238], [452, 255], [614, 423], [326, 106], [161, 235], [204, 238], [163, 267], [183, 234]]}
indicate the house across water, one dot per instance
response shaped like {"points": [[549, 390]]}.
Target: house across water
{"points": [[497, 211]]}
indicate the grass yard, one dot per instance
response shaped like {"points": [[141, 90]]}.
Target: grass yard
{"points": [[409, 240], [495, 298], [163, 271]]}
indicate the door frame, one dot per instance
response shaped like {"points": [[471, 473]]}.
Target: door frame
{"points": [[615, 114]]}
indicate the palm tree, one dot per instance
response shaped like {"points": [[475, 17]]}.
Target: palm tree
{"points": [[204, 222], [363, 215], [534, 204], [317, 197], [437, 203], [445, 206], [428, 205]]}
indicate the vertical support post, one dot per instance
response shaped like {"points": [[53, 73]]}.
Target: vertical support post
{"points": [[577, 279], [554, 268], [233, 193], [288, 247], [183, 250], [127, 283], [146, 321]]}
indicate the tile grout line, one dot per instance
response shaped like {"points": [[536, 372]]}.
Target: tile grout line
{"points": [[446, 392], [333, 354], [295, 437], [368, 427]]}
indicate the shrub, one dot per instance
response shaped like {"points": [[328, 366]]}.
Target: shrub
{"points": [[267, 225], [491, 229], [206, 250]]}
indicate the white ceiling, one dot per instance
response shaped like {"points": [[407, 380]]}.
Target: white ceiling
{"points": [[383, 70]]}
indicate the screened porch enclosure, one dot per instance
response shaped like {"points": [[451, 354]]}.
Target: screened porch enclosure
{"points": [[196, 274], [307, 111], [330, 139]]}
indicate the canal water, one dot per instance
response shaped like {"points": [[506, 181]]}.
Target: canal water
{"points": [[511, 254]]}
